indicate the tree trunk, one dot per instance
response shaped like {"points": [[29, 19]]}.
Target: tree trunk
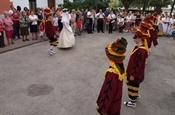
{"points": [[158, 9], [144, 7], [126, 7]]}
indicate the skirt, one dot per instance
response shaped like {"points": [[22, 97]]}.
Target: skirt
{"points": [[33, 28], [24, 31], [66, 38], [9, 33]]}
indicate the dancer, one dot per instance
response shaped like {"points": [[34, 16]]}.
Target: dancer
{"points": [[136, 65], [50, 32], [149, 25], [66, 38], [109, 100]]}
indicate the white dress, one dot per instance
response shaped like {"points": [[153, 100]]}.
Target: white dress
{"points": [[66, 37], [165, 25]]}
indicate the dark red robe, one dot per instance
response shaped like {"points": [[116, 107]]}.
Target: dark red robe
{"points": [[136, 65], [50, 33], [109, 100], [49, 30], [155, 42], [153, 37]]}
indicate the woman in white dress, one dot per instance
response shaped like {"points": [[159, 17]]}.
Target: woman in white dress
{"points": [[66, 38]]}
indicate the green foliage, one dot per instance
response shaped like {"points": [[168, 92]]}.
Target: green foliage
{"points": [[162, 3], [86, 4], [115, 4], [127, 3]]}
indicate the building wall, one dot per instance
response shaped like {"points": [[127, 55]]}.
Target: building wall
{"points": [[59, 2], [42, 3], [21, 3], [5, 5]]}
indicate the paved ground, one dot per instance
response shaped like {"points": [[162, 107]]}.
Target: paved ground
{"points": [[68, 83]]}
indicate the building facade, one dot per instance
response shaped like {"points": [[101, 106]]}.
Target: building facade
{"points": [[31, 4]]}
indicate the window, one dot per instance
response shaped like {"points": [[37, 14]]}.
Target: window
{"points": [[32, 5]]}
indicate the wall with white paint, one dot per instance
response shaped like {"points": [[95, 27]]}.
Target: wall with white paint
{"points": [[21, 3], [41, 3]]}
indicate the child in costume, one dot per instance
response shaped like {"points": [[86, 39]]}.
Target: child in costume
{"points": [[50, 33], [148, 24], [109, 99], [136, 65]]}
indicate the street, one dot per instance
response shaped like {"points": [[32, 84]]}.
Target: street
{"points": [[68, 83]]}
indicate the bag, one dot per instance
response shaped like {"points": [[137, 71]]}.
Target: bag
{"points": [[107, 19], [112, 21]]}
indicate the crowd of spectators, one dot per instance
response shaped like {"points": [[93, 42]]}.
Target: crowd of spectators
{"points": [[18, 23]]}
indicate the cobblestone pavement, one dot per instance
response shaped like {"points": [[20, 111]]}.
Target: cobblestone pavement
{"points": [[34, 83]]}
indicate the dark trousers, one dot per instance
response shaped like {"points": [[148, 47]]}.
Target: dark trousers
{"points": [[110, 27], [16, 28], [2, 39], [121, 29], [89, 28], [60, 24], [53, 41], [100, 25]]}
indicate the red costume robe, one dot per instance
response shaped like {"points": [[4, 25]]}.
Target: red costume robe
{"points": [[136, 65], [153, 37], [50, 33], [109, 100]]}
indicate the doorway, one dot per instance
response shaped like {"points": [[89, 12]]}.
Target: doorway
{"points": [[51, 3], [32, 5]]}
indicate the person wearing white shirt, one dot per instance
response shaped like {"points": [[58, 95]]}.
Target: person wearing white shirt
{"points": [[55, 22], [112, 18], [73, 21], [121, 24], [166, 22], [33, 25], [100, 18], [89, 18]]}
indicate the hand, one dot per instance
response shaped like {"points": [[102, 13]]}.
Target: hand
{"points": [[131, 78]]}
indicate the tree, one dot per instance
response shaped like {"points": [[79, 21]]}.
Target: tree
{"points": [[86, 4], [158, 4], [141, 4], [126, 3]]}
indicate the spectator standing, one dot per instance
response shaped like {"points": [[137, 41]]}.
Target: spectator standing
{"points": [[27, 11], [112, 18], [107, 12], [121, 24], [39, 15], [8, 26], [2, 44], [16, 26], [73, 21], [89, 19], [24, 20], [100, 20], [33, 25], [59, 15], [55, 22]]}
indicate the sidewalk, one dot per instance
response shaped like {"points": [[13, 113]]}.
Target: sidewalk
{"points": [[19, 44]]}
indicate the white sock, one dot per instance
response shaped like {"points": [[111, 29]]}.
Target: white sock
{"points": [[51, 47]]}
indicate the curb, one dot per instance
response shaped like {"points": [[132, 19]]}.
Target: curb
{"points": [[18, 47]]}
